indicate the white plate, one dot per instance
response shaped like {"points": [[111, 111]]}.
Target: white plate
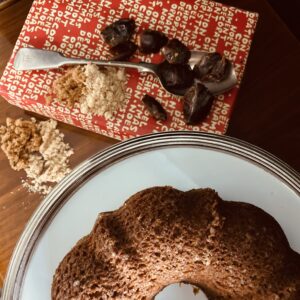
{"points": [[238, 171]]}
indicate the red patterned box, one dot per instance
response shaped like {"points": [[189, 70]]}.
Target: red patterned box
{"points": [[73, 28]]}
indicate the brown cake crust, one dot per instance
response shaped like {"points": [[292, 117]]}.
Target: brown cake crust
{"points": [[231, 250]]}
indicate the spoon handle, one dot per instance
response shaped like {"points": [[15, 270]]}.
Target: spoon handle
{"points": [[140, 66], [38, 59]]}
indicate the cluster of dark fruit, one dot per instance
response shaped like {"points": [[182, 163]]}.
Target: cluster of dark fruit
{"points": [[175, 72]]}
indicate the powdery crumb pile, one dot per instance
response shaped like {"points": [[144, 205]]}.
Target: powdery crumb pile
{"points": [[39, 149], [92, 89], [71, 86]]}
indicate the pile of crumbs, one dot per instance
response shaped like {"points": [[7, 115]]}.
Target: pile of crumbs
{"points": [[38, 149], [92, 89]]}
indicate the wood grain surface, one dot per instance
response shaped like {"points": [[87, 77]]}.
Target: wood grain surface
{"points": [[16, 204], [267, 111]]}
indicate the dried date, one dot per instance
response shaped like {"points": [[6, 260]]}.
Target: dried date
{"points": [[175, 52], [175, 78], [123, 51], [155, 108], [197, 103], [151, 41], [212, 67], [118, 32]]}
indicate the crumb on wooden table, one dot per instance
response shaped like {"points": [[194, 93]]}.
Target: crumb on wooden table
{"points": [[38, 149]]}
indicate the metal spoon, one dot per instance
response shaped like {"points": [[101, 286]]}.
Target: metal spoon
{"points": [[38, 59]]}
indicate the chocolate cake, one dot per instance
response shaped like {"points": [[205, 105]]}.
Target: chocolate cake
{"points": [[230, 250]]}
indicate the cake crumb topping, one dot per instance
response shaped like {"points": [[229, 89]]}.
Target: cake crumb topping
{"points": [[92, 89]]}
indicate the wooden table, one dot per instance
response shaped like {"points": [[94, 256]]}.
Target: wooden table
{"points": [[267, 111]]}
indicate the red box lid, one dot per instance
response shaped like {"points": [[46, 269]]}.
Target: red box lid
{"points": [[73, 28]]}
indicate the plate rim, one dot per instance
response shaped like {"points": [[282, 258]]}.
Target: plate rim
{"points": [[113, 154]]}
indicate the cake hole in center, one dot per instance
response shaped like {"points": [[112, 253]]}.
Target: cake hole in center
{"points": [[181, 291]]}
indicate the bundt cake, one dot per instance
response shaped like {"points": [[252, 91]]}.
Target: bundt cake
{"points": [[231, 250]]}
